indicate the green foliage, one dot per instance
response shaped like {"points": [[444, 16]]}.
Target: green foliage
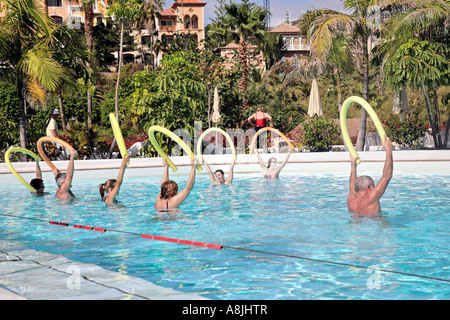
{"points": [[9, 113], [320, 134], [172, 96], [405, 132], [416, 62]]}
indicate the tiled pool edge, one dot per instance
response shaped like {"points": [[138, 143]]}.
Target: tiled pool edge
{"points": [[27, 274]]}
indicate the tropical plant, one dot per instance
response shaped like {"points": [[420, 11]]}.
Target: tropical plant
{"points": [[243, 23], [405, 132], [424, 65], [25, 34], [418, 33], [172, 95], [148, 18], [70, 53], [357, 31], [320, 134]]}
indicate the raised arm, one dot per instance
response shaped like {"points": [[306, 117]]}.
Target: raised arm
{"points": [[38, 170], [70, 170], [119, 181], [211, 174], [166, 171], [353, 176], [261, 162], [183, 194], [230, 173], [387, 170], [280, 167]]}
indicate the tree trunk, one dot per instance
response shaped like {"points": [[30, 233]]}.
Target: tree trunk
{"points": [[119, 68], [120, 62], [22, 118], [430, 114], [437, 118], [338, 86], [365, 95], [243, 58], [89, 34], [61, 111]]}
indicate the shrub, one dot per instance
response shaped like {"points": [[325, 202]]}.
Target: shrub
{"points": [[404, 132], [320, 134]]}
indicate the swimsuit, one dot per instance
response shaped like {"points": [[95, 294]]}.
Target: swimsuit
{"points": [[260, 122]]}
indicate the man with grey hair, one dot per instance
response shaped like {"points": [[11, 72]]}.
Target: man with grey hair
{"points": [[364, 197], [64, 180]]}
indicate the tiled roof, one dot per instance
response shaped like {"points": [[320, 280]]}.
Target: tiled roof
{"points": [[285, 28]]}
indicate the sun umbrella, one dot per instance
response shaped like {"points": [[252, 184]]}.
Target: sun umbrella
{"points": [[216, 114], [315, 106]]}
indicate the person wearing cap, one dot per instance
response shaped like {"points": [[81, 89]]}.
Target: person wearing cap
{"points": [[55, 149], [52, 127]]}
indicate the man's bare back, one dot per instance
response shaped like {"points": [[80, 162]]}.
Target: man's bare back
{"points": [[364, 196]]}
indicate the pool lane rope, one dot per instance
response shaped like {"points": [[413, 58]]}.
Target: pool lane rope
{"points": [[343, 120], [226, 135], [40, 146], [13, 171], [118, 135], [174, 137], [220, 247], [252, 144]]}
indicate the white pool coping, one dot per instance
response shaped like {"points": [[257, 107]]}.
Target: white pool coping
{"points": [[35, 275], [408, 161]]}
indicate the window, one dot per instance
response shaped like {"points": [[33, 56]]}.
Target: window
{"points": [[187, 22], [288, 43], [296, 43], [194, 22], [57, 19], [54, 3], [166, 22]]}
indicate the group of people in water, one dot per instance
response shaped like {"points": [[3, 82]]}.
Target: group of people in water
{"points": [[364, 194]]}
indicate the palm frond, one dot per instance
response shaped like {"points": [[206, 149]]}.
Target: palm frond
{"points": [[39, 64]]}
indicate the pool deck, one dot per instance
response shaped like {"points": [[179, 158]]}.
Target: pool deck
{"points": [[28, 275], [34, 275]]}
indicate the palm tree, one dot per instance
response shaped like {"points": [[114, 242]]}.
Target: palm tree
{"points": [[244, 23], [148, 17], [25, 34], [71, 55], [427, 21], [357, 32], [88, 6]]}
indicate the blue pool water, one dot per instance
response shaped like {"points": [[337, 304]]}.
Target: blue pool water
{"points": [[300, 215]]}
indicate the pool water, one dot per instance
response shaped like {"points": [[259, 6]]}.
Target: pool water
{"points": [[298, 215]]}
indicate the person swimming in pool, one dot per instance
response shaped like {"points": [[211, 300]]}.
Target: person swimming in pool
{"points": [[364, 196], [64, 180], [111, 187], [272, 171], [219, 177], [169, 197], [37, 183]]}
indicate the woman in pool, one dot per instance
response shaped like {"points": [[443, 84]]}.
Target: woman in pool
{"points": [[218, 176], [37, 183], [272, 171], [111, 187], [169, 197]]}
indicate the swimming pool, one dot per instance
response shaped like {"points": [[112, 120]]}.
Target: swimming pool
{"points": [[302, 219]]}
